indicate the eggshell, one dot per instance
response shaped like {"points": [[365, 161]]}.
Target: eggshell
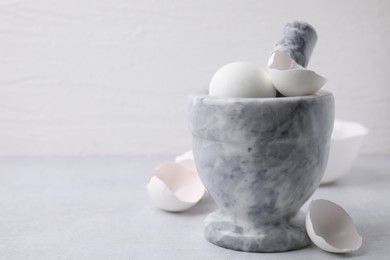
{"points": [[188, 155], [331, 228], [241, 79], [346, 140], [189, 165], [282, 61], [173, 187], [163, 198], [187, 160], [291, 79]]}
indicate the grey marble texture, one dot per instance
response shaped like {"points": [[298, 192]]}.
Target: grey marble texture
{"points": [[260, 160], [298, 39]]}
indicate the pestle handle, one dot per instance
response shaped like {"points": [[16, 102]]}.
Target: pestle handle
{"points": [[298, 40]]}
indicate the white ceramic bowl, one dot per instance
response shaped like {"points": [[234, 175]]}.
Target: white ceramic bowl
{"points": [[345, 144]]}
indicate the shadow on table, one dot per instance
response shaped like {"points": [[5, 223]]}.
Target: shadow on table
{"points": [[203, 207]]}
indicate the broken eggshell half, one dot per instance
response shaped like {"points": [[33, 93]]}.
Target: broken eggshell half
{"points": [[188, 155], [187, 160], [331, 228], [290, 78], [175, 186]]}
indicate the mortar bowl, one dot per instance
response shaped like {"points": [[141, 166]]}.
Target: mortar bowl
{"points": [[260, 160]]}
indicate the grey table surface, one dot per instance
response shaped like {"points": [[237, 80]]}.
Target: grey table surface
{"points": [[98, 208]]}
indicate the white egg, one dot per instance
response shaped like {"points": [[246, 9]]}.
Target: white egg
{"points": [[291, 79], [175, 186], [241, 79], [331, 228]]}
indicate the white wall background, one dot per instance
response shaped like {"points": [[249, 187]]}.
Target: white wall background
{"points": [[82, 77]]}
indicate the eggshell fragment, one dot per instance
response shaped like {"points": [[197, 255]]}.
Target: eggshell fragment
{"points": [[346, 140], [331, 228], [189, 165], [187, 160], [290, 78], [188, 155], [282, 61], [163, 198], [173, 187]]}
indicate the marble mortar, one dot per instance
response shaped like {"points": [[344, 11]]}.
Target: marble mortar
{"points": [[260, 160]]}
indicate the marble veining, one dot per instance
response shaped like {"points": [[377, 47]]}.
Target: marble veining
{"points": [[260, 160], [298, 39]]}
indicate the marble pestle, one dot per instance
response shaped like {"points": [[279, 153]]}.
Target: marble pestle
{"points": [[298, 40]]}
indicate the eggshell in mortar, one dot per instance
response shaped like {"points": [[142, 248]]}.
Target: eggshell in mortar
{"points": [[291, 79], [282, 61]]}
